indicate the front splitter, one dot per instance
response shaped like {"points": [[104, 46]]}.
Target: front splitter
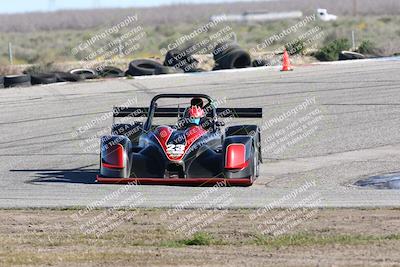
{"points": [[177, 181]]}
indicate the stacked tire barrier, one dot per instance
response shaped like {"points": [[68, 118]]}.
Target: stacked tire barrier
{"points": [[136, 68], [67, 77], [258, 63], [349, 55], [226, 56], [230, 56], [17, 81], [43, 78], [75, 75], [141, 67], [167, 70], [182, 58], [179, 60], [110, 72], [86, 74]]}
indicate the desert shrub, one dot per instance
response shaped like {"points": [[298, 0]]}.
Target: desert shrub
{"points": [[40, 68], [296, 47], [366, 47], [331, 51], [6, 69]]}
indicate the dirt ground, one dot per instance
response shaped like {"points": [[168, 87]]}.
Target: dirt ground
{"points": [[161, 237]]}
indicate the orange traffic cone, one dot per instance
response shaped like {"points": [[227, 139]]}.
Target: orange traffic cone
{"points": [[286, 62]]}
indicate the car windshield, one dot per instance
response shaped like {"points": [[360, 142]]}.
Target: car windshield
{"points": [[182, 104]]}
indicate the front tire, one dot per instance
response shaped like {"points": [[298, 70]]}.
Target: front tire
{"points": [[255, 166], [257, 162]]}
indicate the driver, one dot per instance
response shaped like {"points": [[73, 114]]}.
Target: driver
{"points": [[193, 114], [197, 101]]}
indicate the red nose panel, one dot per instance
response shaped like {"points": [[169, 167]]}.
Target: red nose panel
{"points": [[163, 133], [176, 144], [192, 134]]}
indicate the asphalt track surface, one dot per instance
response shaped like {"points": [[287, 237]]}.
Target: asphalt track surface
{"points": [[354, 134]]}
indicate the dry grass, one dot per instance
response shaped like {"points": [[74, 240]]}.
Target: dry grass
{"points": [[175, 14], [339, 237], [40, 38]]}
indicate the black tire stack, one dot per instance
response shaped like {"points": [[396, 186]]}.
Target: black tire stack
{"points": [[167, 70], [86, 74], [349, 55], [182, 58], [43, 78], [17, 81], [142, 67], [37, 78], [259, 63], [110, 72], [67, 77], [230, 56]]}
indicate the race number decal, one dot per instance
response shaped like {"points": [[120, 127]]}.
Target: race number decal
{"points": [[175, 150]]}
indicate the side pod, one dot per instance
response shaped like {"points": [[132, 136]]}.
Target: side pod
{"points": [[114, 156], [237, 156]]}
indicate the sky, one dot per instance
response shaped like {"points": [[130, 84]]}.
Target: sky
{"points": [[18, 6]]}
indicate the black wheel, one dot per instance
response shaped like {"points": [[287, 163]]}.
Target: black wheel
{"points": [[67, 77], [141, 67], [230, 56], [127, 171], [181, 58], [167, 70], [111, 72], [348, 55], [235, 59], [257, 160], [222, 49], [258, 63], [85, 73], [254, 164], [17, 81], [43, 78], [192, 70]]}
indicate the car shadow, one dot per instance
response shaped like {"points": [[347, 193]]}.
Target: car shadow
{"points": [[81, 175]]}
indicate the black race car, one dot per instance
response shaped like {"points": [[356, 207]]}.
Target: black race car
{"points": [[186, 150]]}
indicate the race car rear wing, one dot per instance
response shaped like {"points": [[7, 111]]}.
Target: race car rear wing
{"points": [[173, 112]]}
